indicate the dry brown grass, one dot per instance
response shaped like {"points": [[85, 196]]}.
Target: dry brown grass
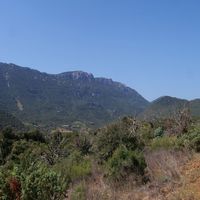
{"points": [[190, 181], [181, 180], [164, 165]]}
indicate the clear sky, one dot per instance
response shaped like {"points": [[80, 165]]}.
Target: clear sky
{"points": [[152, 46]]}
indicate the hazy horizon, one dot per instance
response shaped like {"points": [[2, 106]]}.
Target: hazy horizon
{"points": [[152, 47]]}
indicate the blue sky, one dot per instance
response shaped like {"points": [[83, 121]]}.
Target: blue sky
{"points": [[152, 46]]}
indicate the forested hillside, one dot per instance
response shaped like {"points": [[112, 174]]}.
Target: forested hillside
{"points": [[62, 99], [167, 106], [8, 120]]}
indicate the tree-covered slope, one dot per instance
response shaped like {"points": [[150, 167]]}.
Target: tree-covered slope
{"points": [[64, 98], [167, 106], [195, 107], [8, 120]]}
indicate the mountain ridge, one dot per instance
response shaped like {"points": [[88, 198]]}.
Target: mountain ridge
{"points": [[42, 98], [38, 97]]}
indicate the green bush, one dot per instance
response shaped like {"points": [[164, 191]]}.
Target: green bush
{"points": [[189, 141], [59, 146], [124, 162], [75, 167], [164, 142], [83, 143], [7, 138], [5, 191], [36, 182], [34, 135], [13, 144], [195, 143], [158, 132], [146, 132], [108, 139], [43, 183]]}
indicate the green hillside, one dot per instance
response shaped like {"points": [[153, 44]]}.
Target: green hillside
{"points": [[64, 98], [167, 106], [195, 107], [8, 120]]}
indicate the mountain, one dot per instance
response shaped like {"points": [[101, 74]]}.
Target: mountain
{"points": [[61, 99], [195, 107], [8, 120], [165, 106]]}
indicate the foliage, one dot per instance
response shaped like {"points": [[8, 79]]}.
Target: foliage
{"points": [[56, 148], [122, 133], [124, 162], [75, 167], [12, 144], [35, 182], [34, 135], [190, 140], [37, 165], [8, 120], [7, 139], [24, 175], [83, 143], [164, 142], [146, 132], [159, 132]]}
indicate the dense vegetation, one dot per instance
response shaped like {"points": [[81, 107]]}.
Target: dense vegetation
{"points": [[59, 165], [7, 119], [37, 167]]}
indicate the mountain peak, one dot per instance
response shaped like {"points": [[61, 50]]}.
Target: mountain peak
{"points": [[77, 75]]}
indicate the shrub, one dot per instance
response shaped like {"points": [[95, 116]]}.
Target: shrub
{"points": [[83, 143], [158, 132], [43, 183], [124, 161], [18, 148], [75, 167], [7, 138], [5, 191], [190, 141], [146, 132], [165, 142], [195, 143], [36, 182], [34, 135], [108, 139], [57, 147]]}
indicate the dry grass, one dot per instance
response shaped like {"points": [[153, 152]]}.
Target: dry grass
{"points": [[190, 181], [164, 165], [181, 180]]}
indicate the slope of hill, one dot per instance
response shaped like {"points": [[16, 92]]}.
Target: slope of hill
{"points": [[8, 120], [166, 106], [63, 98], [195, 107]]}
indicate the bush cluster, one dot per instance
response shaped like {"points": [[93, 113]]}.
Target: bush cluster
{"points": [[37, 165]]}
